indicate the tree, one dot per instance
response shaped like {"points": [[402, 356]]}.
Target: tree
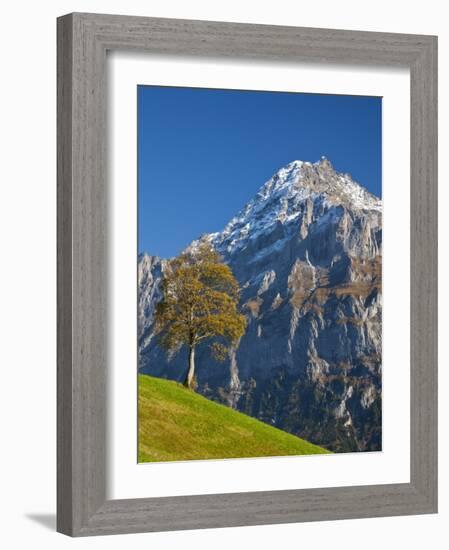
{"points": [[199, 303]]}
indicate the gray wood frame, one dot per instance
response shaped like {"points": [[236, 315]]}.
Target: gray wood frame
{"points": [[83, 40]]}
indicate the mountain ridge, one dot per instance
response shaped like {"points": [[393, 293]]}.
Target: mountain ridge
{"points": [[307, 253], [290, 186]]}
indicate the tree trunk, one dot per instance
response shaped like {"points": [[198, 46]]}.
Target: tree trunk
{"points": [[189, 381]]}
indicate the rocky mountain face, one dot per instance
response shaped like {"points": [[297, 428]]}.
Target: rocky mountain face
{"points": [[307, 252]]}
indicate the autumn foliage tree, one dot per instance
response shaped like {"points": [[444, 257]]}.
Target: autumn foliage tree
{"points": [[199, 304]]}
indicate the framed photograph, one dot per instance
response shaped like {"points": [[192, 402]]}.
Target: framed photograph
{"points": [[247, 274]]}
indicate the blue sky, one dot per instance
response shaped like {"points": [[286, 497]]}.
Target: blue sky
{"points": [[202, 153]]}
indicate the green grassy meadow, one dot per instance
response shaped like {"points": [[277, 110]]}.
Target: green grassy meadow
{"points": [[178, 424]]}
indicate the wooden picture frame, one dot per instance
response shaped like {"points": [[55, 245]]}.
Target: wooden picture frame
{"points": [[83, 40]]}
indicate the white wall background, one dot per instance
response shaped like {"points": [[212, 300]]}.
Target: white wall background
{"points": [[28, 267]]}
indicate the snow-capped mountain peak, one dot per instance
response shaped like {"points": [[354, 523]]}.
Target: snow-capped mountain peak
{"points": [[302, 179], [281, 200], [306, 252]]}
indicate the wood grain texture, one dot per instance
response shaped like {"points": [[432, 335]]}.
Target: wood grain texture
{"points": [[83, 40], [64, 277], [423, 272]]}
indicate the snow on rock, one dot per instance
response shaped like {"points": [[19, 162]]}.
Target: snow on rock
{"points": [[285, 197], [307, 254]]}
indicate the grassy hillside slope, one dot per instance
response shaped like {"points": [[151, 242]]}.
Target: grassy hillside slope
{"points": [[178, 424]]}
